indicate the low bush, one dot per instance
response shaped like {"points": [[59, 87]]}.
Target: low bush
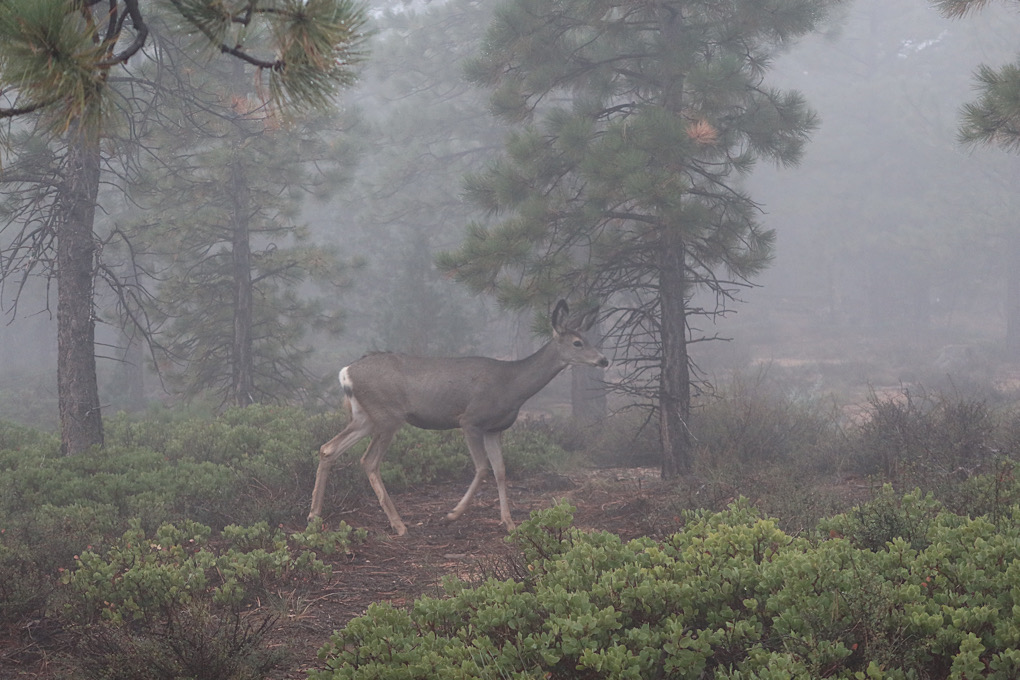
{"points": [[246, 467], [888, 517], [142, 576], [926, 438], [728, 596], [192, 643], [751, 423], [174, 603]]}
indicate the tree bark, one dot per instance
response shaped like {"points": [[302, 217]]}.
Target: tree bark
{"points": [[242, 361], [674, 372], [81, 424]]}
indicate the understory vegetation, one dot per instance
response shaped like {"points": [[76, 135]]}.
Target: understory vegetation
{"points": [[729, 595], [808, 543]]}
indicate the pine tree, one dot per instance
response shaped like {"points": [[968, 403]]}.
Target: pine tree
{"points": [[621, 181], [995, 117], [233, 270], [61, 62]]}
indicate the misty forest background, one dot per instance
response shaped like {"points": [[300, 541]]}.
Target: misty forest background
{"points": [[894, 259], [895, 246], [798, 220]]}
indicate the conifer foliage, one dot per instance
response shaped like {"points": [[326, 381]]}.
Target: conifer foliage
{"points": [[634, 125], [70, 67], [994, 118]]}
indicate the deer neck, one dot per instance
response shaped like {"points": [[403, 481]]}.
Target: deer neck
{"points": [[532, 373]]}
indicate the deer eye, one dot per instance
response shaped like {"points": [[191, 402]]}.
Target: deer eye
{"points": [[578, 343]]}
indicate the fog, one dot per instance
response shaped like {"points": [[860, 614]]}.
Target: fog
{"points": [[894, 249], [894, 241]]}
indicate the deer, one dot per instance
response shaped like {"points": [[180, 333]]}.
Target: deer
{"points": [[480, 395]]}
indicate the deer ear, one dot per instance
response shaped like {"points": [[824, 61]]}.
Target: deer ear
{"points": [[588, 320], [559, 317]]}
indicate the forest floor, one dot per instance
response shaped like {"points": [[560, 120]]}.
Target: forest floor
{"points": [[387, 568], [630, 502]]}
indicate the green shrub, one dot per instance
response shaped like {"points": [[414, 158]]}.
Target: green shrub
{"points": [[143, 575], [887, 517], [418, 457], [728, 596], [16, 438], [530, 450], [992, 494], [624, 438], [23, 584]]}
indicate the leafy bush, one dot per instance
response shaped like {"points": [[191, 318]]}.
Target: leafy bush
{"points": [[23, 587], [14, 437], [168, 605], [728, 596], [529, 450], [886, 518], [623, 438], [143, 576], [245, 467]]}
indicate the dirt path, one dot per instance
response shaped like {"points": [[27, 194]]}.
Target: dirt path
{"points": [[397, 570]]}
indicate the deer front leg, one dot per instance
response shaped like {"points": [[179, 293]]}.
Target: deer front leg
{"points": [[476, 446], [371, 462]]}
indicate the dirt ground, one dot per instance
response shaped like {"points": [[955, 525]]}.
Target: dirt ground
{"points": [[399, 569]]}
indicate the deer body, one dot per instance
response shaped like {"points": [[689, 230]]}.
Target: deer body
{"points": [[482, 396]]}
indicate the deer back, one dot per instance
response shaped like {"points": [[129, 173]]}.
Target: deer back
{"points": [[435, 393]]}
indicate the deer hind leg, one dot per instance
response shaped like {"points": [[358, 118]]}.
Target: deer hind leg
{"points": [[476, 446], [370, 462], [328, 452], [494, 450]]}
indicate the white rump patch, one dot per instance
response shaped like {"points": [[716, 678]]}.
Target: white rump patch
{"points": [[348, 386]]}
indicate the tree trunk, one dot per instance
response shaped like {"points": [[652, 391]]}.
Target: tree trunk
{"points": [[81, 424], [242, 361], [674, 373]]}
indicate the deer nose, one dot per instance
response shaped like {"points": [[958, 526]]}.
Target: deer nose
{"points": [[602, 362]]}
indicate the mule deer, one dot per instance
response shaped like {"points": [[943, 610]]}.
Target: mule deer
{"points": [[477, 394]]}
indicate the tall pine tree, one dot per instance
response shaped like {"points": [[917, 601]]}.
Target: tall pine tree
{"points": [[232, 271], [634, 126], [68, 64]]}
